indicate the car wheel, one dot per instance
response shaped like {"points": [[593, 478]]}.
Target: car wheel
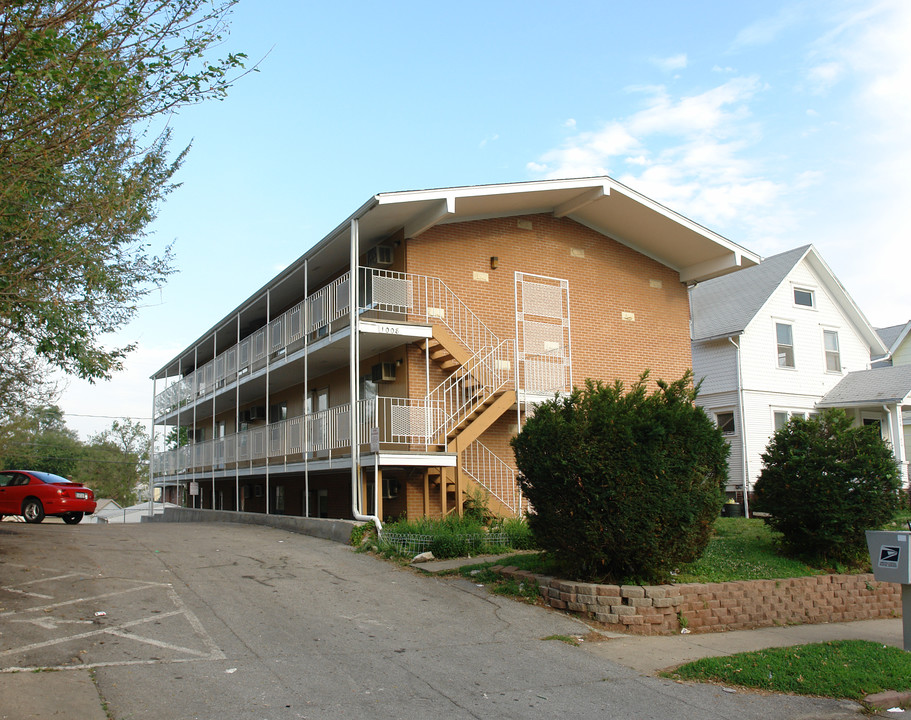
{"points": [[72, 518], [33, 510]]}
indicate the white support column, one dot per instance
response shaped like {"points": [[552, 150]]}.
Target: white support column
{"points": [[898, 441], [214, 386], [353, 361], [305, 434], [268, 344], [152, 448], [237, 419]]}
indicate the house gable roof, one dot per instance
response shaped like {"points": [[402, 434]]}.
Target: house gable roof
{"points": [[725, 306], [893, 337], [879, 386]]}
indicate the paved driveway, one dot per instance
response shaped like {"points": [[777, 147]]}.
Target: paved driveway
{"points": [[220, 622]]}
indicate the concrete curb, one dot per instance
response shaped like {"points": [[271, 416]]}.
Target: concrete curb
{"points": [[889, 699]]}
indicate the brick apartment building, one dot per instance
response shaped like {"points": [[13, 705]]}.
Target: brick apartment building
{"points": [[473, 304]]}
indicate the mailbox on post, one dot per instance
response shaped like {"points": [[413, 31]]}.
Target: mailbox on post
{"points": [[890, 555]]}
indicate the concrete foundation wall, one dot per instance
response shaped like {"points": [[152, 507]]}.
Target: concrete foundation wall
{"points": [[328, 529]]}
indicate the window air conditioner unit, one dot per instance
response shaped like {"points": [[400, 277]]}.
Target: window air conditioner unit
{"points": [[383, 372], [253, 413], [380, 256]]}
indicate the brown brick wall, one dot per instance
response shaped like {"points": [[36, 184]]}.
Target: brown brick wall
{"points": [[712, 607], [609, 280]]}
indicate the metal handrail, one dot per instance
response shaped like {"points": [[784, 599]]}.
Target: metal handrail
{"points": [[488, 470]]}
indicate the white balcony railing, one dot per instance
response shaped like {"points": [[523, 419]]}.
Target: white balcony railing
{"points": [[401, 424], [409, 297]]}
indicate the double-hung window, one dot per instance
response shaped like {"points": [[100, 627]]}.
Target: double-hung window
{"points": [[785, 337], [833, 355]]}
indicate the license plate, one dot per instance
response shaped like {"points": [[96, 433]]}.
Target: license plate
{"points": [[82, 495]]}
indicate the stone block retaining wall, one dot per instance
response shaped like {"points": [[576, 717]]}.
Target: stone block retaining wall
{"points": [[710, 607]]}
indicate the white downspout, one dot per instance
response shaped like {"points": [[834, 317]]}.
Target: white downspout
{"points": [[152, 451], [898, 438], [743, 432], [353, 364]]}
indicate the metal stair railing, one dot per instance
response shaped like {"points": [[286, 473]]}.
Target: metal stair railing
{"points": [[490, 472], [459, 395]]}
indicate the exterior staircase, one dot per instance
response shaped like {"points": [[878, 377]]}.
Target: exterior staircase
{"points": [[480, 388]]}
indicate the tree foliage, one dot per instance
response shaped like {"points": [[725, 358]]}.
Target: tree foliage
{"points": [[625, 485], [40, 440], [115, 463], [824, 482], [85, 88]]}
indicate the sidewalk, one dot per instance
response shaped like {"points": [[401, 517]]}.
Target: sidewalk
{"points": [[650, 654], [62, 694]]}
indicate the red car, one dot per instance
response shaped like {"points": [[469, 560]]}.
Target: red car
{"points": [[34, 495]]}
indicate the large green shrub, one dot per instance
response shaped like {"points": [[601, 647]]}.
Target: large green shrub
{"points": [[824, 482], [625, 485]]}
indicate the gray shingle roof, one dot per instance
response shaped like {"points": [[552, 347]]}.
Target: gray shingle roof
{"points": [[725, 305], [890, 334], [878, 386]]}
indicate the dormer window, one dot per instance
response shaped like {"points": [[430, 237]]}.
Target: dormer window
{"points": [[804, 298]]}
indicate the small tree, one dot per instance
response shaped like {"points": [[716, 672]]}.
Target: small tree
{"points": [[115, 464], [625, 486], [824, 482]]}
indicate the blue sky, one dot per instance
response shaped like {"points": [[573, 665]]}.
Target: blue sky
{"points": [[775, 124]]}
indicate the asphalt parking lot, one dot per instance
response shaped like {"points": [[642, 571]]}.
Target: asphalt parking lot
{"points": [[227, 621]]}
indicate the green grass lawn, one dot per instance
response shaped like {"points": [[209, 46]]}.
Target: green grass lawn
{"points": [[743, 549], [840, 669]]}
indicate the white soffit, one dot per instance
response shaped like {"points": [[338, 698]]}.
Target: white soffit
{"points": [[601, 204]]}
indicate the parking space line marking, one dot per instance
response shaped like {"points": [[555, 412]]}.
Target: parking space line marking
{"points": [[26, 592], [212, 651], [81, 636], [194, 621], [64, 603], [52, 579], [112, 663], [157, 643]]}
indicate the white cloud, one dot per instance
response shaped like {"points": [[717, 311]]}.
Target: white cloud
{"points": [[669, 64], [570, 123], [768, 30], [685, 152], [825, 75], [873, 45]]}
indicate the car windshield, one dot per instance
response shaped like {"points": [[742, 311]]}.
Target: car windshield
{"points": [[50, 477]]}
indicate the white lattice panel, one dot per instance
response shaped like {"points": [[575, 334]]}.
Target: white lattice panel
{"points": [[543, 338], [395, 292], [544, 376], [408, 420], [542, 300]]}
